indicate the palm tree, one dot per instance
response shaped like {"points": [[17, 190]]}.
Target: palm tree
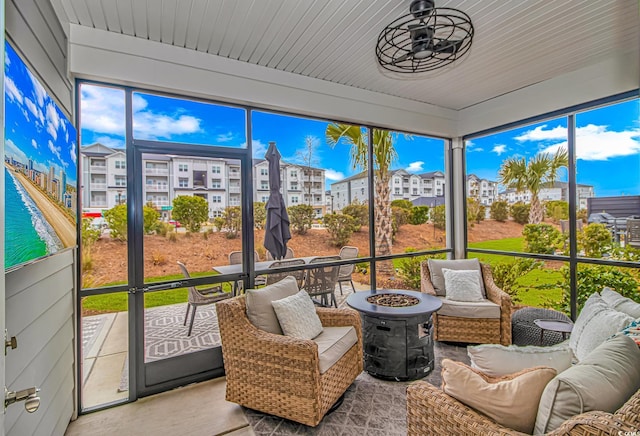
{"points": [[384, 154], [541, 171]]}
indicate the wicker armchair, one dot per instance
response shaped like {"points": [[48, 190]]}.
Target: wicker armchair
{"points": [[280, 375], [432, 412], [473, 330]]}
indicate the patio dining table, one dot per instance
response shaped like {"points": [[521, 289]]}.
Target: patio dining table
{"points": [[258, 266]]}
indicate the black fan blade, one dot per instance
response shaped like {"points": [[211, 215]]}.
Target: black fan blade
{"points": [[447, 46], [403, 58]]}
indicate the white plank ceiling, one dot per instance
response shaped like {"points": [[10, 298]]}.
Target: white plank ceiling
{"points": [[517, 42]]}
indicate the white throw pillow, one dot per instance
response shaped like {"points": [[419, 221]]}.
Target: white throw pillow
{"points": [[597, 322], [462, 285], [497, 360], [297, 316], [620, 303]]}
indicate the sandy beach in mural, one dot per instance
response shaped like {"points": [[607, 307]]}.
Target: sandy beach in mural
{"points": [[55, 216]]}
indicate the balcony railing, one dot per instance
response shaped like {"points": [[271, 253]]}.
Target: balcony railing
{"points": [[160, 171], [98, 168], [157, 188], [234, 189], [98, 186]]}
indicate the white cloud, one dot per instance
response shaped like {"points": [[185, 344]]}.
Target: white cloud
{"points": [[540, 134], [150, 125], [54, 149], [34, 143], [38, 89], [475, 149], [53, 121], [12, 90], [72, 152], [225, 137], [110, 141], [259, 149], [35, 110], [12, 150], [598, 143], [7, 61], [414, 167], [330, 174], [102, 109], [499, 149]]}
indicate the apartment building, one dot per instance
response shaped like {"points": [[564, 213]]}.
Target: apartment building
{"points": [[300, 184], [402, 185], [558, 191], [484, 190], [166, 177]]}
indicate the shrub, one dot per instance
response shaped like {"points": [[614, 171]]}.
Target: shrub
{"points": [[116, 219], [541, 238], [556, 210], [499, 211], [505, 274], [419, 215], [163, 228], [581, 214], [520, 212], [172, 237], [399, 217], [405, 204], [232, 217], [158, 258], [301, 217], [150, 219], [592, 278], [218, 223], [475, 211], [340, 228], [439, 217], [409, 268], [359, 211], [191, 211], [259, 215], [89, 233], [595, 239]]}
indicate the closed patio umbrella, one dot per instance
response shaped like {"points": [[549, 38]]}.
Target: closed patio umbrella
{"points": [[277, 232]]}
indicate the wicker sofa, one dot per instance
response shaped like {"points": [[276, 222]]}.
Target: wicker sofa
{"points": [[432, 412], [472, 330], [280, 375]]}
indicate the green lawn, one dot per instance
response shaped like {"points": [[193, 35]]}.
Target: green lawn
{"points": [[527, 286]]}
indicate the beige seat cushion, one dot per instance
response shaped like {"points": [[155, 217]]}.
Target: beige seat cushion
{"points": [[333, 342], [511, 401], [620, 303], [604, 380], [437, 277], [259, 309], [469, 309]]}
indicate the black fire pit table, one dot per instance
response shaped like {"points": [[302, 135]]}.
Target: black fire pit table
{"points": [[398, 344]]}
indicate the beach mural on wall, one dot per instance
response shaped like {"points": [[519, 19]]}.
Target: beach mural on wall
{"points": [[40, 168]]}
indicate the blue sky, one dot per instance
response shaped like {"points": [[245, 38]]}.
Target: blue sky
{"points": [[608, 138], [35, 128], [607, 147]]}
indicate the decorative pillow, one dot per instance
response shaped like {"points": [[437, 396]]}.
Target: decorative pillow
{"points": [[462, 285], [297, 316], [258, 301], [437, 278], [497, 360], [511, 401], [620, 303], [604, 381], [597, 322]]}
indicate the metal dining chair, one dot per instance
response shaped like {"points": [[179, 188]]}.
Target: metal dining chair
{"points": [[321, 281], [200, 297], [275, 276], [235, 257], [347, 252], [288, 254]]}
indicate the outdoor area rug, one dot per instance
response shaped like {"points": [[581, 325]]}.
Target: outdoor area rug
{"points": [[371, 406]]}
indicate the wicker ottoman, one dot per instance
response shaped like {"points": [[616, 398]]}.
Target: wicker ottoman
{"points": [[525, 332]]}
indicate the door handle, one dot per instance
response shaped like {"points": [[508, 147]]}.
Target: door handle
{"points": [[9, 342], [29, 396]]}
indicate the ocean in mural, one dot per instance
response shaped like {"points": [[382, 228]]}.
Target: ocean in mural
{"points": [[28, 235]]}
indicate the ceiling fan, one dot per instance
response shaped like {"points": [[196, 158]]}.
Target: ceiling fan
{"points": [[425, 39]]}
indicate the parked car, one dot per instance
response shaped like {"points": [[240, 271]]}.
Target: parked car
{"points": [[175, 223]]}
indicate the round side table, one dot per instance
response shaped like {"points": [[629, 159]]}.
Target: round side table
{"points": [[553, 325]]}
